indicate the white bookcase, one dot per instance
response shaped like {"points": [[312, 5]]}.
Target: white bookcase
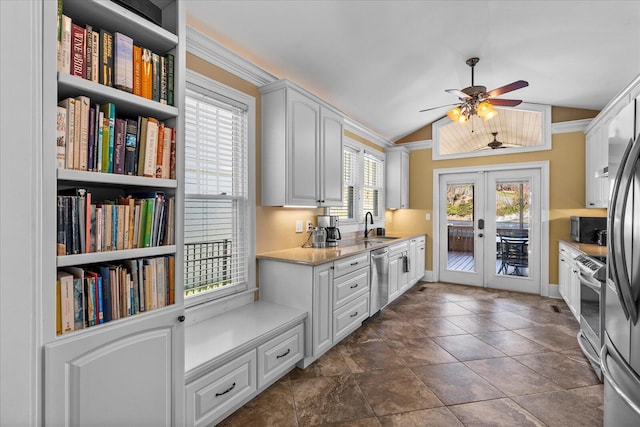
{"points": [[131, 370]]}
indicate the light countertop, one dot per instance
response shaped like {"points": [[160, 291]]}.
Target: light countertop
{"points": [[589, 249], [345, 248]]}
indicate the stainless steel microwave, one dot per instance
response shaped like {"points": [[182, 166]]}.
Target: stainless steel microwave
{"points": [[585, 229]]}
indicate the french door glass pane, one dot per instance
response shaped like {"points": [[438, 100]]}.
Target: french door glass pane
{"points": [[512, 227], [460, 223]]}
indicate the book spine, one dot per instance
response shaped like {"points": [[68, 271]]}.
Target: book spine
{"points": [[61, 241], [172, 160], [142, 144], [99, 300], [106, 293], [123, 62], [130, 147], [160, 151], [61, 129], [119, 150], [93, 243], [172, 283], [78, 46], [141, 288], [58, 308], [83, 134], [137, 70], [163, 80], [91, 139], [69, 104], [155, 77], [149, 223], [166, 153], [170, 79], [64, 63], [150, 148], [78, 304], [75, 231], [147, 74], [67, 303], [99, 138], [95, 56], [114, 228], [106, 58], [88, 57]]}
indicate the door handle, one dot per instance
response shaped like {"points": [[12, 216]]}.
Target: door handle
{"points": [[480, 235], [481, 224]]}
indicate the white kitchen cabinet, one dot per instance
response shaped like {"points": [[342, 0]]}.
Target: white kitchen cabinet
{"points": [[322, 308], [397, 178], [301, 148], [569, 278], [420, 258], [398, 277]]}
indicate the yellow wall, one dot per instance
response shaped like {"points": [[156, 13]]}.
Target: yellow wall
{"points": [[566, 198]]}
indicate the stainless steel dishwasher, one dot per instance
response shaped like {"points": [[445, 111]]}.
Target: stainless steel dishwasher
{"points": [[379, 291]]}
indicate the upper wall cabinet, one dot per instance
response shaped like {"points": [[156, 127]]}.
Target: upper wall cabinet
{"points": [[301, 148], [397, 178]]}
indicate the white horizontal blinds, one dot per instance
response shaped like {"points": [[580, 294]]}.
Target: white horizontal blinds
{"points": [[349, 168], [372, 185], [216, 193]]}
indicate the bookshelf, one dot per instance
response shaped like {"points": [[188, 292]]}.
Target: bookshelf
{"points": [[150, 343]]}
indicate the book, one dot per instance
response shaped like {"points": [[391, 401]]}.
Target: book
{"points": [[83, 104], [170, 78], [163, 80], [95, 55], [119, 147], [64, 57], [58, 309], [172, 160], [59, 36], [78, 50], [142, 144], [107, 308], [75, 225], [66, 302], [78, 274], [123, 62], [108, 136], [161, 282], [106, 58], [166, 153], [171, 261], [61, 128], [130, 146], [160, 150], [150, 148], [99, 138], [137, 70], [88, 52], [91, 155], [70, 105], [87, 223], [136, 223], [155, 76], [61, 232], [123, 223], [147, 74], [78, 304], [99, 228], [93, 224]]}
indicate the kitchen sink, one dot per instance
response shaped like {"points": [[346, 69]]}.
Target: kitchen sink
{"points": [[379, 239]]}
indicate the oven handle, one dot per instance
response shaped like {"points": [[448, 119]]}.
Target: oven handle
{"points": [[595, 285], [589, 356]]}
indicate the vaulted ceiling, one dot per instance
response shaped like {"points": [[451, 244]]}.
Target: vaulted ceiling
{"points": [[380, 62]]}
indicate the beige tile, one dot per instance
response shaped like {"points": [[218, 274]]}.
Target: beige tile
{"points": [[511, 377], [273, 407], [455, 383], [395, 390], [494, 413], [437, 417], [475, 323], [329, 400], [565, 371], [467, 347]]}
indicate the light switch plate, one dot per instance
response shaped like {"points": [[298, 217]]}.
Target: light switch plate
{"points": [[298, 226]]}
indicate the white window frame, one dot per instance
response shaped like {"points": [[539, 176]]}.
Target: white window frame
{"points": [[224, 91], [357, 223]]}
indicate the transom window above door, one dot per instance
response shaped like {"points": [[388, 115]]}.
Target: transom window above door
{"points": [[512, 130]]}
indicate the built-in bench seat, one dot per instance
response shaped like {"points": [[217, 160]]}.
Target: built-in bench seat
{"points": [[232, 357]]}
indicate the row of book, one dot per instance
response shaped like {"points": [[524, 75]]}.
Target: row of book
{"points": [[140, 221], [91, 138], [112, 59], [89, 296]]}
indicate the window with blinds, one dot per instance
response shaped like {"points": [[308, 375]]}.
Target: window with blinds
{"points": [[216, 194], [349, 179], [372, 185]]}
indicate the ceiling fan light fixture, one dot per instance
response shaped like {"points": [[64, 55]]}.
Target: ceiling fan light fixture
{"points": [[491, 114], [484, 109], [454, 114]]}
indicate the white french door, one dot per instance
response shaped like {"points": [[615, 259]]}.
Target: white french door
{"points": [[490, 229]]}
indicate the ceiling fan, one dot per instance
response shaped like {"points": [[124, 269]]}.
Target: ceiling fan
{"points": [[495, 144], [477, 101]]}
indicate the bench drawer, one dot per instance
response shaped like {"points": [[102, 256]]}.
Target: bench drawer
{"points": [[280, 354]]}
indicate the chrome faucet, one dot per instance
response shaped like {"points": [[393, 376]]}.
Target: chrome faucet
{"points": [[366, 232]]}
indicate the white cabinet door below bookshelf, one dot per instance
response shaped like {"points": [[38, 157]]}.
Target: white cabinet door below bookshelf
{"points": [[121, 375]]}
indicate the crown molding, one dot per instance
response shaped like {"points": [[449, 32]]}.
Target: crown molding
{"points": [[417, 145], [366, 133], [210, 50], [570, 126]]}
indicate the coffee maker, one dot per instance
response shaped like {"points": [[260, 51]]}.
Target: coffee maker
{"points": [[330, 224]]}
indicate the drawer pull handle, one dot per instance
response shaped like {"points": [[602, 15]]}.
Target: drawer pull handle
{"points": [[354, 314], [227, 390], [285, 353], [354, 286], [355, 263]]}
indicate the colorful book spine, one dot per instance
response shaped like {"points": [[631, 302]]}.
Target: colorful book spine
{"points": [[170, 78], [78, 45], [88, 53], [155, 77], [83, 132], [147, 74], [123, 62], [119, 149], [95, 56], [108, 136], [163, 80], [130, 146], [106, 58], [151, 147], [91, 139], [137, 70]]}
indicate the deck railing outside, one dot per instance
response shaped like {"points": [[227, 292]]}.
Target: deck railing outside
{"points": [[207, 265]]}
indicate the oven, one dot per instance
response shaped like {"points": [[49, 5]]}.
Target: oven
{"points": [[592, 276]]}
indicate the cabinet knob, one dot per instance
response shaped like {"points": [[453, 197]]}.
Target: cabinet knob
{"points": [[181, 318]]}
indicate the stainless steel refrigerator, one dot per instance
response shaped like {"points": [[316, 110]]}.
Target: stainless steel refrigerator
{"points": [[620, 356]]}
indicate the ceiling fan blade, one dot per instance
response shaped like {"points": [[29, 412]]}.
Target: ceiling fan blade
{"points": [[504, 102], [507, 88], [435, 108], [460, 94]]}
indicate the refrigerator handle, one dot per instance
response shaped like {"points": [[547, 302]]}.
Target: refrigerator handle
{"points": [[618, 207], [606, 372]]}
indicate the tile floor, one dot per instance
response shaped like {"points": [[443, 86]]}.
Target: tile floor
{"points": [[443, 355]]}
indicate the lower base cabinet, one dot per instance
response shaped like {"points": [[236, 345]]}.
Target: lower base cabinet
{"points": [[569, 278]]}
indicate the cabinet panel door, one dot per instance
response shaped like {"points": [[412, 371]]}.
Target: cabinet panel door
{"points": [[420, 261], [322, 308], [331, 162], [124, 375], [303, 164], [394, 266], [404, 180]]}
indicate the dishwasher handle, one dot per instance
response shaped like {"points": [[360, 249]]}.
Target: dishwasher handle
{"points": [[379, 254]]}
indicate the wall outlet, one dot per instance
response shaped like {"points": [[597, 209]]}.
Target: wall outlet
{"points": [[309, 225], [427, 217], [298, 226]]}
